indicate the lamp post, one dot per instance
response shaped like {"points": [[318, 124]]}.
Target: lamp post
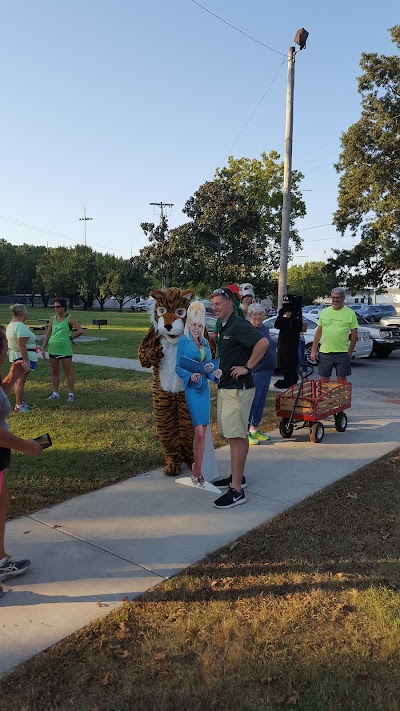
{"points": [[85, 219], [300, 39]]}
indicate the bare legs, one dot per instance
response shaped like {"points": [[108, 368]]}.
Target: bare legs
{"points": [[239, 448], [4, 506], [55, 373], [199, 443], [19, 388], [67, 368]]}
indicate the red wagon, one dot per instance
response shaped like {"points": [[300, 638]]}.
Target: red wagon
{"points": [[305, 404]]}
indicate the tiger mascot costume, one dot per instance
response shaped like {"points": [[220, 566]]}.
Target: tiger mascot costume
{"points": [[158, 350]]}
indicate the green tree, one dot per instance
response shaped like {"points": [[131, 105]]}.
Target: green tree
{"points": [[56, 270], [27, 258], [310, 280], [7, 261], [83, 265], [369, 185], [122, 284], [234, 229], [220, 242], [261, 182], [105, 265], [154, 257]]}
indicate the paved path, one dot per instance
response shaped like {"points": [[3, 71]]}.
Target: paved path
{"points": [[125, 363], [90, 552]]}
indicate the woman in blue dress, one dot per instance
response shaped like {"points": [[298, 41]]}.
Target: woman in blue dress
{"points": [[197, 390]]}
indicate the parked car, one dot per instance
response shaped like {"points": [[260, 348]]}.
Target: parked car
{"points": [[375, 312], [141, 305], [313, 310], [385, 339], [363, 347], [392, 321], [356, 307], [210, 326], [313, 307]]}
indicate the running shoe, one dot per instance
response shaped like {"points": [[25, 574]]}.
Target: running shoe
{"points": [[261, 436], [11, 568]]}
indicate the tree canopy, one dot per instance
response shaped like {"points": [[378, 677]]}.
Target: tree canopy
{"points": [[310, 280], [73, 272], [234, 229], [369, 185]]}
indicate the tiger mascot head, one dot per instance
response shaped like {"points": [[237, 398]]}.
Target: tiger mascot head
{"points": [[168, 313]]}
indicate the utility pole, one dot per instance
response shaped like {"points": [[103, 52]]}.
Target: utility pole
{"points": [[163, 228], [85, 219], [300, 39]]}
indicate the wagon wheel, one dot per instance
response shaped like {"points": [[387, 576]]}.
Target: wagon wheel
{"points": [[285, 429], [317, 432], [341, 421]]}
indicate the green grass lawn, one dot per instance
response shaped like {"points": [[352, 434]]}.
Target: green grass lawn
{"points": [[106, 435], [303, 612], [124, 331]]}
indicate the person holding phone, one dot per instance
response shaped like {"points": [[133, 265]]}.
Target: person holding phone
{"points": [[10, 568], [61, 331]]}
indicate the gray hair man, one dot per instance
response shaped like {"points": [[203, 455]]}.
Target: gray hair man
{"points": [[336, 350]]}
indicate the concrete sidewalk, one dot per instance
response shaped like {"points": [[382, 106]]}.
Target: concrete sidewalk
{"points": [[92, 551], [107, 362]]}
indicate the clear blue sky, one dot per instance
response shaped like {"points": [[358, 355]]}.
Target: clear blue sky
{"points": [[119, 103]]}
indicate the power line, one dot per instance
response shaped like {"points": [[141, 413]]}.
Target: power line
{"points": [[251, 116], [327, 224], [237, 29], [317, 149], [57, 234]]}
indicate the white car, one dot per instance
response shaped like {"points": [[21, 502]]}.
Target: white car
{"points": [[363, 347]]}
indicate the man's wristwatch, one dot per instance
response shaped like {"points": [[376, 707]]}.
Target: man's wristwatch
{"points": [[247, 368]]}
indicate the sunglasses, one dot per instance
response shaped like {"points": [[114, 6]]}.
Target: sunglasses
{"points": [[223, 292]]}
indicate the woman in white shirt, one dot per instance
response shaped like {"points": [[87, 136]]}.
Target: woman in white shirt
{"points": [[21, 346]]}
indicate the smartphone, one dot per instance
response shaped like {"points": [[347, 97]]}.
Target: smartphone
{"points": [[44, 441]]}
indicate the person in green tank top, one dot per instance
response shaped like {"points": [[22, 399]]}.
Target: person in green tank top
{"points": [[61, 331]]}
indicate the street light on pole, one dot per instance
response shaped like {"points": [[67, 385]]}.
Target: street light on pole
{"points": [[300, 39], [85, 219]]}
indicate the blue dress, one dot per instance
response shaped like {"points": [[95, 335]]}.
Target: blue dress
{"points": [[197, 397]]}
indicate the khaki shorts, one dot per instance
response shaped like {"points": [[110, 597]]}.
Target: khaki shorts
{"points": [[233, 410]]}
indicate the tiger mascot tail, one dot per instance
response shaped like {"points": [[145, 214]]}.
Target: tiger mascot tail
{"points": [[158, 350]]}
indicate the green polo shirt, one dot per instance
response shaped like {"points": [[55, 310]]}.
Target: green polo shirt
{"points": [[236, 342]]}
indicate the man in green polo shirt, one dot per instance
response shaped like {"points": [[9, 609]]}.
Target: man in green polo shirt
{"points": [[240, 348]]}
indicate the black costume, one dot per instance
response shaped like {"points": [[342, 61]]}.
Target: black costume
{"points": [[290, 328]]}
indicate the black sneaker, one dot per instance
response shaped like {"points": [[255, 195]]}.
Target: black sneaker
{"points": [[230, 499], [11, 568], [226, 483]]}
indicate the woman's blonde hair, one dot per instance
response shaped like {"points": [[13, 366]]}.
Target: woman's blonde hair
{"points": [[196, 313], [18, 309]]}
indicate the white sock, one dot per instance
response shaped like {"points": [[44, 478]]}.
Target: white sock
{"points": [[55, 392], [71, 394], [3, 560]]}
